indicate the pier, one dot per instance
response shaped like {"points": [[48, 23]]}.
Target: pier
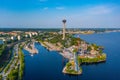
{"points": [[30, 47]]}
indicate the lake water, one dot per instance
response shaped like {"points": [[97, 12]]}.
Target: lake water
{"points": [[1, 42], [48, 65]]}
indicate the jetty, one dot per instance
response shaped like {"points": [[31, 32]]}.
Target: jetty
{"points": [[30, 47], [65, 71], [51, 46]]}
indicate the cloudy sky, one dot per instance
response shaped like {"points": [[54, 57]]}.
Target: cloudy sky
{"points": [[49, 13]]}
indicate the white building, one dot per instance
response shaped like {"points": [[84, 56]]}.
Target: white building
{"points": [[12, 37], [18, 37], [34, 33], [30, 34], [26, 35]]}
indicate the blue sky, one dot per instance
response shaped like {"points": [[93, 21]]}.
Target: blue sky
{"points": [[49, 13]]}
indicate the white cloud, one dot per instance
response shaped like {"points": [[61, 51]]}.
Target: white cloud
{"points": [[60, 8], [98, 10]]}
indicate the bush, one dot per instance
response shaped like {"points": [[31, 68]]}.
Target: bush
{"points": [[22, 65], [13, 75]]}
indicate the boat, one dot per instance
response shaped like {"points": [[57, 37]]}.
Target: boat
{"points": [[31, 54]]}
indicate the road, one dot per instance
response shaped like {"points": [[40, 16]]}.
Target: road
{"points": [[15, 53], [7, 57]]}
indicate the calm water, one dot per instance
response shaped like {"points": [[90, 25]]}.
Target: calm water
{"points": [[48, 65], [1, 42]]}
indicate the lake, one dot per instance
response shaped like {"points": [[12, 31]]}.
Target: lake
{"points": [[48, 65], [1, 42]]}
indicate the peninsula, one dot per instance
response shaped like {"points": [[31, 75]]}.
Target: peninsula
{"points": [[30, 47], [76, 50]]}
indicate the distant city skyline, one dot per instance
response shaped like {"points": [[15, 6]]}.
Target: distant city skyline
{"points": [[49, 13]]}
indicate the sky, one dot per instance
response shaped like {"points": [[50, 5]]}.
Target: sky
{"points": [[50, 13]]}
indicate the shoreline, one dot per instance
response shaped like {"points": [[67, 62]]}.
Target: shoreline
{"points": [[33, 50], [72, 73], [64, 69], [61, 53]]}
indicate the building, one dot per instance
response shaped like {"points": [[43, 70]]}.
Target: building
{"points": [[18, 37], [12, 37], [93, 51], [30, 35], [26, 35]]}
